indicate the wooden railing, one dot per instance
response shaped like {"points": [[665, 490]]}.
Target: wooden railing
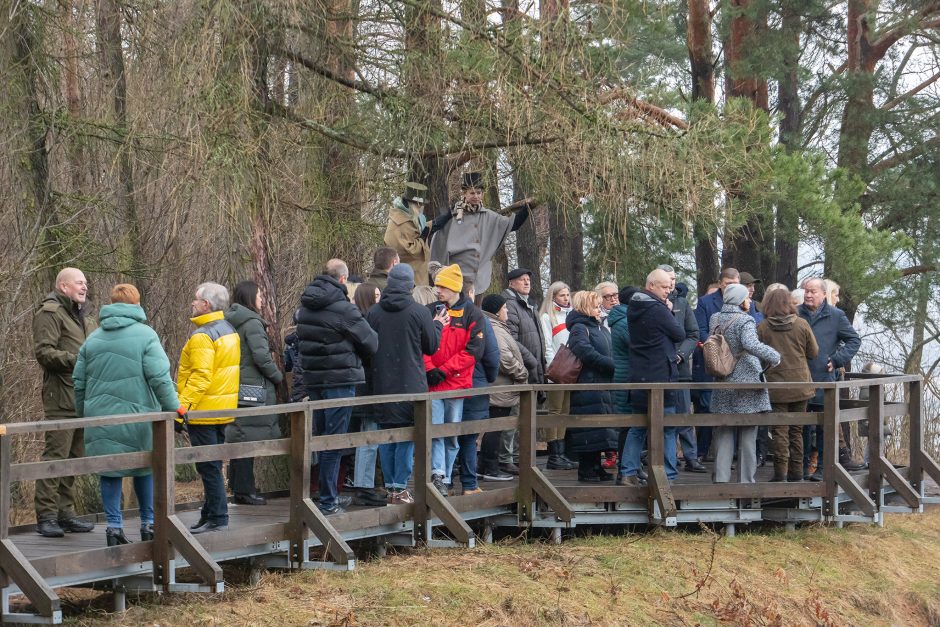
{"points": [[305, 520]]}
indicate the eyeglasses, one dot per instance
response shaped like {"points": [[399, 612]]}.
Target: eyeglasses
{"points": [[609, 296]]}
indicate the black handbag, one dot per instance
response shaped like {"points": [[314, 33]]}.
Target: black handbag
{"points": [[252, 395]]}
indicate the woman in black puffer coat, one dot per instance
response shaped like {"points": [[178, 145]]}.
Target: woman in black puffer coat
{"points": [[591, 343]]}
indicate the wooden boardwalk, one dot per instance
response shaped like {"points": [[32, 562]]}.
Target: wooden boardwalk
{"points": [[290, 532]]}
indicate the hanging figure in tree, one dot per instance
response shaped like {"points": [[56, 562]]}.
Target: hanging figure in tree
{"points": [[409, 230], [475, 233]]}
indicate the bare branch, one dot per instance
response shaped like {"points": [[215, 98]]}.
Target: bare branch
{"points": [[919, 269], [905, 156], [911, 92]]}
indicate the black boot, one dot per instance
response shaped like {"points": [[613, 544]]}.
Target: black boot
{"points": [[146, 532], [556, 460], [572, 464], [115, 536]]}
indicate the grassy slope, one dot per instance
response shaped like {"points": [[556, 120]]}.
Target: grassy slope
{"points": [[857, 575]]}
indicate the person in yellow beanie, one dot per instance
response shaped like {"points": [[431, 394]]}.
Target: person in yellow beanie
{"points": [[451, 366]]}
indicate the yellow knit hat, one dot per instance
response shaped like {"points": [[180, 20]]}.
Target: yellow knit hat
{"points": [[450, 277]]}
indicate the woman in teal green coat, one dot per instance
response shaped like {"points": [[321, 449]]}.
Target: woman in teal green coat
{"points": [[122, 369]]}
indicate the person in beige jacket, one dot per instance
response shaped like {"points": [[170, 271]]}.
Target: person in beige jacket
{"points": [[408, 230], [511, 372], [791, 336]]}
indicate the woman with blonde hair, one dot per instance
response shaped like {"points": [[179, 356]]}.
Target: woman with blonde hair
{"points": [[832, 292], [552, 314], [590, 342]]}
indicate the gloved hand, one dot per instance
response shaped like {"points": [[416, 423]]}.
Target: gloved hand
{"points": [[180, 425], [435, 376]]}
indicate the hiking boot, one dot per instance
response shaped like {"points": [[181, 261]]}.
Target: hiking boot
{"points": [[49, 528], [400, 497], [210, 527], [846, 461], [631, 481], [331, 510], [74, 525], [439, 485], [695, 465], [146, 532], [642, 475], [370, 497], [494, 475], [115, 536], [559, 462], [250, 499], [476, 490]]}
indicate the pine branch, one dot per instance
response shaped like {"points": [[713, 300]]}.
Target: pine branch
{"points": [[920, 269], [360, 86]]}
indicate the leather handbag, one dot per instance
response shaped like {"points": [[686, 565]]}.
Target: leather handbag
{"points": [[252, 395], [565, 367]]}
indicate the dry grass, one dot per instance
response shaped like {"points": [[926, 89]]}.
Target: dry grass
{"points": [[816, 576]]}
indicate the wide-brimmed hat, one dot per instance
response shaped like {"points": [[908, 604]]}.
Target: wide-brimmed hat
{"points": [[415, 192]]}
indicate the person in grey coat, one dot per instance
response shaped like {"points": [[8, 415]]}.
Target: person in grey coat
{"points": [[740, 332], [523, 323], [257, 368]]}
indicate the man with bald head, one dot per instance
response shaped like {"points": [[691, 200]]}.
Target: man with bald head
{"points": [[59, 329], [654, 333], [838, 342]]}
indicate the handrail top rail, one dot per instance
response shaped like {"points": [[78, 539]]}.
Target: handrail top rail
{"points": [[41, 426]]}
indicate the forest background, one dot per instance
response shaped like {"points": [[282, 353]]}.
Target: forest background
{"points": [[167, 143]]}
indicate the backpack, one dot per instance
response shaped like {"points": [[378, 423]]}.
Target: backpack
{"points": [[719, 360]]}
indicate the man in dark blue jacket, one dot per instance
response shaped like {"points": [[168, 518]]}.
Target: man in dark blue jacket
{"points": [[477, 407], [334, 339], [654, 333], [838, 342]]}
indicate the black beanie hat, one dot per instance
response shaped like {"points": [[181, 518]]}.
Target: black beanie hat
{"points": [[493, 303]]}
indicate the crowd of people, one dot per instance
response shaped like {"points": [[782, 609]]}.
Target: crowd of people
{"points": [[420, 322]]}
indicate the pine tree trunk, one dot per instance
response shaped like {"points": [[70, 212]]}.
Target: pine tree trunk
{"points": [[114, 82], [786, 226]]}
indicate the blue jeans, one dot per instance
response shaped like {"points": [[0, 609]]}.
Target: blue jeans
{"points": [[633, 448], [331, 422], [111, 499], [398, 461], [444, 450], [215, 507], [364, 473]]}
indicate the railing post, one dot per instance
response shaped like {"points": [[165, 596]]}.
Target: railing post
{"points": [[164, 500], [422, 470], [831, 428], [301, 430], [915, 408], [5, 486], [876, 447], [527, 444], [5, 483], [659, 487]]}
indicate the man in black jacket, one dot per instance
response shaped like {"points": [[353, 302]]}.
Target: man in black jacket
{"points": [[406, 333], [684, 350], [654, 333], [334, 339], [524, 327]]}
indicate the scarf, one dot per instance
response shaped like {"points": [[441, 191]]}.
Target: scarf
{"points": [[461, 208], [559, 312], [417, 217]]}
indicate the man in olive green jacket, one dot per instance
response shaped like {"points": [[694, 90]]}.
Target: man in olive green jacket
{"points": [[59, 329]]}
